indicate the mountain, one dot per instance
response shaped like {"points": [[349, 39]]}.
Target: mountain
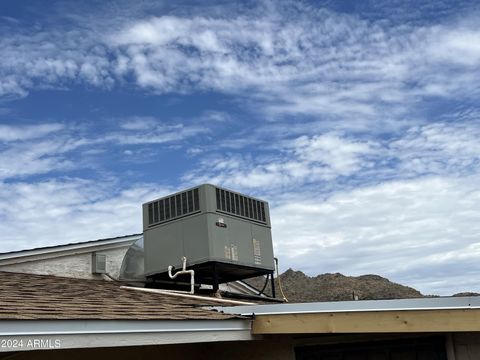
{"points": [[299, 287], [466, 294]]}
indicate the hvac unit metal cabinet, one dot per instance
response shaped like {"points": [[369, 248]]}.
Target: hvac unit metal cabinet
{"points": [[224, 235]]}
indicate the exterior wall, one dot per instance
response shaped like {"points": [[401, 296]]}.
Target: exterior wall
{"points": [[241, 350], [275, 349], [466, 346], [188, 351], [77, 265]]}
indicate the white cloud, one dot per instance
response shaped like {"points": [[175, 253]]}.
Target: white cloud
{"points": [[439, 148], [299, 161], [153, 133], [61, 211], [51, 58], [328, 159], [314, 61], [456, 46], [27, 132], [419, 232], [215, 116], [55, 208], [139, 123], [288, 58], [41, 149], [39, 157], [344, 157]]}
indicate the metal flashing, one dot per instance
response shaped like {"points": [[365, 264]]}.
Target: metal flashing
{"points": [[440, 303], [77, 327]]}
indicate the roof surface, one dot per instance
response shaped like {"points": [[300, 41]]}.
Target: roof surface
{"points": [[28, 296]]}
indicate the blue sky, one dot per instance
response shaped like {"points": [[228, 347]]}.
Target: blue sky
{"points": [[358, 121]]}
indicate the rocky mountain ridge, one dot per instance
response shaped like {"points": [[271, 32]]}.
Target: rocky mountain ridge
{"points": [[299, 287]]}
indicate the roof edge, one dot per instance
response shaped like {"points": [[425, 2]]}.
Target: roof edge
{"points": [[67, 247], [440, 303], [69, 334]]}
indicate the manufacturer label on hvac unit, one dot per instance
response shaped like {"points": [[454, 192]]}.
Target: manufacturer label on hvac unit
{"points": [[231, 252], [221, 223], [234, 253], [228, 252], [257, 254]]}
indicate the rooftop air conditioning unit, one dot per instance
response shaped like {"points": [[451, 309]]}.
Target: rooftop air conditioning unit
{"points": [[224, 235]]}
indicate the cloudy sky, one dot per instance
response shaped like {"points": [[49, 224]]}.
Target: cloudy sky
{"points": [[359, 121]]}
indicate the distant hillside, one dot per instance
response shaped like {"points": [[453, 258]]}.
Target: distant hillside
{"points": [[299, 287], [466, 294]]}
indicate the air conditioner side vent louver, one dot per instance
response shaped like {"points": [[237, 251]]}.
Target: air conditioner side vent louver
{"points": [[173, 207], [240, 205]]}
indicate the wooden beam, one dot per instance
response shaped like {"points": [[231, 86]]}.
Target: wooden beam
{"points": [[404, 321]]}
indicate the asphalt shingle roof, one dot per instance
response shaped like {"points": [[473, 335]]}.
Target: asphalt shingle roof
{"points": [[29, 296]]}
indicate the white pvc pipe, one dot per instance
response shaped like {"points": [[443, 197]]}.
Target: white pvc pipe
{"points": [[184, 271], [185, 294]]}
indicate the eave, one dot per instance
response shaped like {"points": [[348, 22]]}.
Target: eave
{"points": [[113, 333], [432, 315]]}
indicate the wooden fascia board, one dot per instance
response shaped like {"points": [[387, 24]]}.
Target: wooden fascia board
{"points": [[400, 321]]}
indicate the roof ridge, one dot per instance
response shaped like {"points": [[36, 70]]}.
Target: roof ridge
{"points": [[71, 243]]}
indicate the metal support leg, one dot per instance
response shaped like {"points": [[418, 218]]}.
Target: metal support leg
{"points": [[215, 278], [272, 278]]}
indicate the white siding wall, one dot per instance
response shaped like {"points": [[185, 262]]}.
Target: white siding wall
{"points": [[71, 265]]}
